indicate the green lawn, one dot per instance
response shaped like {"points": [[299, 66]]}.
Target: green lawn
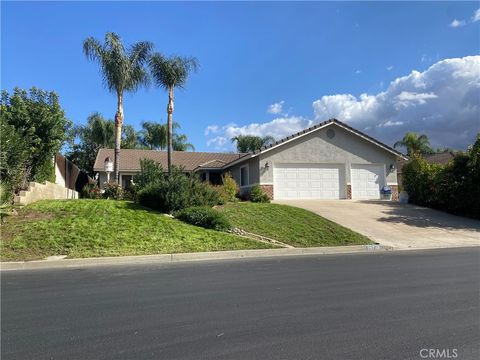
{"points": [[85, 228], [291, 225]]}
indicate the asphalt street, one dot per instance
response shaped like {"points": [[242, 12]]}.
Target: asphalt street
{"points": [[390, 305]]}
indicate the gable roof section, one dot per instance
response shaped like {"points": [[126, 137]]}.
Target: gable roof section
{"points": [[314, 128], [323, 125], [190, 161]]}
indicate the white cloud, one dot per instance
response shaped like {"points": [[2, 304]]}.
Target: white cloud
{"points": [[278, 128], [408, 98], [389, 67], [212, 129], [276, 108], [358, 72], [476, 15], [392, 123], [457, 23], [217, 142], [443, 102]]}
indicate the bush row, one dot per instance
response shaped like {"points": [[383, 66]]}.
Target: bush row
{"points": [[453, 187]]}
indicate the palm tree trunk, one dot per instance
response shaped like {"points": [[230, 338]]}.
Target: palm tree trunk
{"points": [[170, 129], [118, 137]]}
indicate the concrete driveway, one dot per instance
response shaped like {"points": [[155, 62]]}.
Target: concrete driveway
{"points": [[398, 225]]}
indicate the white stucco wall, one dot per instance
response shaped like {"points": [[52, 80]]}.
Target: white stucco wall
{"points": [[345, 148]]}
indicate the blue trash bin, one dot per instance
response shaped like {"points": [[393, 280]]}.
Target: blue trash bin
{"points": [[386, 193]]}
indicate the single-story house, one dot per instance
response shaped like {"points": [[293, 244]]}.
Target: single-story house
{"points": [[330, 160]]}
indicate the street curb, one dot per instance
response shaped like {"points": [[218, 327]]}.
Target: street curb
{"points": [[187, 257]]}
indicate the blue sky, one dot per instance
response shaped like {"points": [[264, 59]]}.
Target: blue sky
{"points": [[313, 60]]}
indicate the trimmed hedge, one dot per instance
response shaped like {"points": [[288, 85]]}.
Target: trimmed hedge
{"points": [[453, 187], [204, 217]]}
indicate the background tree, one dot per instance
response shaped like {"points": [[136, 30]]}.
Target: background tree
{"points": [[415, 144], [247, 143], [86, 140], [170, 73], [122, 70], [33, 129], [180, 143], [155, 137]]}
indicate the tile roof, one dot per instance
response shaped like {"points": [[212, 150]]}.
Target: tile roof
{"points": [[440, 158], [130, 159]]}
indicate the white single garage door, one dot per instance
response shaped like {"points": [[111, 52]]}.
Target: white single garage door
{"points": [[367, 180], [308, 181]]}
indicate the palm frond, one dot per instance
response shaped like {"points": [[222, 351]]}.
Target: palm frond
{"points": [[173, 71], [92, 49], [121, 69]]}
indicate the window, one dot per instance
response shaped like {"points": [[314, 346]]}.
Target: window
{"points": [[126, 181], [244, 176]]}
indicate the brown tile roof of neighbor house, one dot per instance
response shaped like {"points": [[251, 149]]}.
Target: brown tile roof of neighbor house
{"points": [[130, 159], [439, 158]]}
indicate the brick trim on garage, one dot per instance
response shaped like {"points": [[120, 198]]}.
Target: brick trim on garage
{"points": [[394, 192], [268, 189], [349, 192]]}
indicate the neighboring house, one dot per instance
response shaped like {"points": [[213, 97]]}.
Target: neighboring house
{"points": [[442, 158], [330, 160]]}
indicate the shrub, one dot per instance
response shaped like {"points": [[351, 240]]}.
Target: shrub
{"points": [[230, 186], [223, 196], [91, 191], [150, 172], [205, 217], [33, 128], [177, 191], [452, 187], [130, 193], [113, 191], [258, 195]]}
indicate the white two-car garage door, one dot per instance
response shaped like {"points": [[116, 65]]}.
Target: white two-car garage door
{"points": [[367, 180], [309, 181]]}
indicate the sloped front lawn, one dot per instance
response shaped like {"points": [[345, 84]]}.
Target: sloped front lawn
{"points": [[290, 225], [87, 228]]}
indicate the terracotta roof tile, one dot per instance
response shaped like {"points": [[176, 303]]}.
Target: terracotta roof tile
{"points": [[130, 159]]}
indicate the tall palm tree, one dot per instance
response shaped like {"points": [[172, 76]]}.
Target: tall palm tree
{"points": [[246, 143], [169, 73], [414, 144], [122, 70]]}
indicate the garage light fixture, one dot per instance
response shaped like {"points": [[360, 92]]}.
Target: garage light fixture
{"points": [[267, 165], [392, 167]]}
